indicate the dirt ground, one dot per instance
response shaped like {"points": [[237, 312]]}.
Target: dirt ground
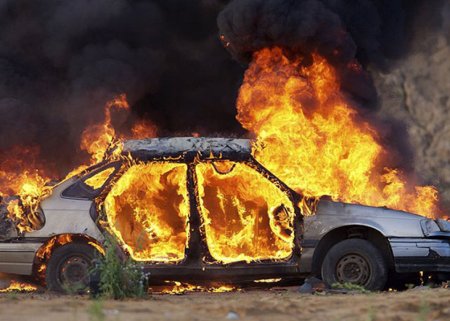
{"points": [[281, 304]]}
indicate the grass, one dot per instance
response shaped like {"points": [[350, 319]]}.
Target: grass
{"points": [[12, 296], [371, 314], [350, 287], [424, 311], [95, 311]]}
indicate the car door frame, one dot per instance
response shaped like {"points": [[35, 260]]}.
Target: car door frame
{"points": [[248, 271]]}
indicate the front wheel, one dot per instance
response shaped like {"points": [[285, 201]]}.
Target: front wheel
{"points": [[69, 268], [355, 261]]}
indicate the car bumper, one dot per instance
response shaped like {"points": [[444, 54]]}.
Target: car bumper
{"points": [[421, 254], [18, 258]]}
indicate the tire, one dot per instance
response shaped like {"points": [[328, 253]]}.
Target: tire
{"points": [[69, 267], [355, 261]]}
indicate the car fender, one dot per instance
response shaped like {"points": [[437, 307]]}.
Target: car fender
{"points": [[66, 216]]}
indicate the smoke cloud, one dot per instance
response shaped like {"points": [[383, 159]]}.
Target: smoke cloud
{"points": [[61, 61]]}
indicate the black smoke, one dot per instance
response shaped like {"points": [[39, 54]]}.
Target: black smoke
{"points": [[60, 61]]}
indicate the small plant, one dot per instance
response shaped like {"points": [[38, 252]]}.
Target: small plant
{"points": [[424, 311], [12, 296], [350, 286], [119, 278], [95, 311], [410, 286], [74, 289], [371, 314]]}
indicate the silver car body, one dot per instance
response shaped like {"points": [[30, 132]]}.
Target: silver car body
{"points": [[412, 247], [62, 216]]}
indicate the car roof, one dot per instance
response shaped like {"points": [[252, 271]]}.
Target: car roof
{"points": [[188, 148]]}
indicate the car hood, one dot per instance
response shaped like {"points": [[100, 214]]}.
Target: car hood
{"points": [[326, 207], [391, 223]]}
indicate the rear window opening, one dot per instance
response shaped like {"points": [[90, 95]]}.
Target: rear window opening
{"points": [[91, 184]]}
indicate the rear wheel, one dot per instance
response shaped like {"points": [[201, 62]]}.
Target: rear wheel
{"points": [[69, 268], [355, 261]]}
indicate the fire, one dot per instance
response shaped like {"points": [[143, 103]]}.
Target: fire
{"points": [[20, 167], [268, 280], [246, 218], [21, 175], [99, 179], [17, 286], [97, 138], [310, 136], [176, 287], [144, 129], [148, 209], [44, 253]]}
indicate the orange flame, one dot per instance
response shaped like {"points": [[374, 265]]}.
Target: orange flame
{"points": [[310, 136], [17, 286], [20, 174], [148, 209], [20, 169], [246, 218], [96, 139], [143, 129], [175, 287]]}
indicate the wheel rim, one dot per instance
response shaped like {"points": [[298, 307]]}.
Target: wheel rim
{"points": [[74, 273], [353, 268]]}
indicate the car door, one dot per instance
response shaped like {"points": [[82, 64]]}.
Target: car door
{"points": [[247, 219], [147, 209]]}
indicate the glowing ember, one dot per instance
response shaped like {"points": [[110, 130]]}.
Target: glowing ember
{"points": [[268, 280], [310, 136], [148, 209], [182, 288], [246, 217], [16, 286]]}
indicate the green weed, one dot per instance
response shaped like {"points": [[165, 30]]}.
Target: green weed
{"points": [[350, 286], [119, 278], [95, 311]]}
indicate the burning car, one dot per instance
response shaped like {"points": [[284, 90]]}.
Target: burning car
{"points": [[193, 208], [204, 209]]}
